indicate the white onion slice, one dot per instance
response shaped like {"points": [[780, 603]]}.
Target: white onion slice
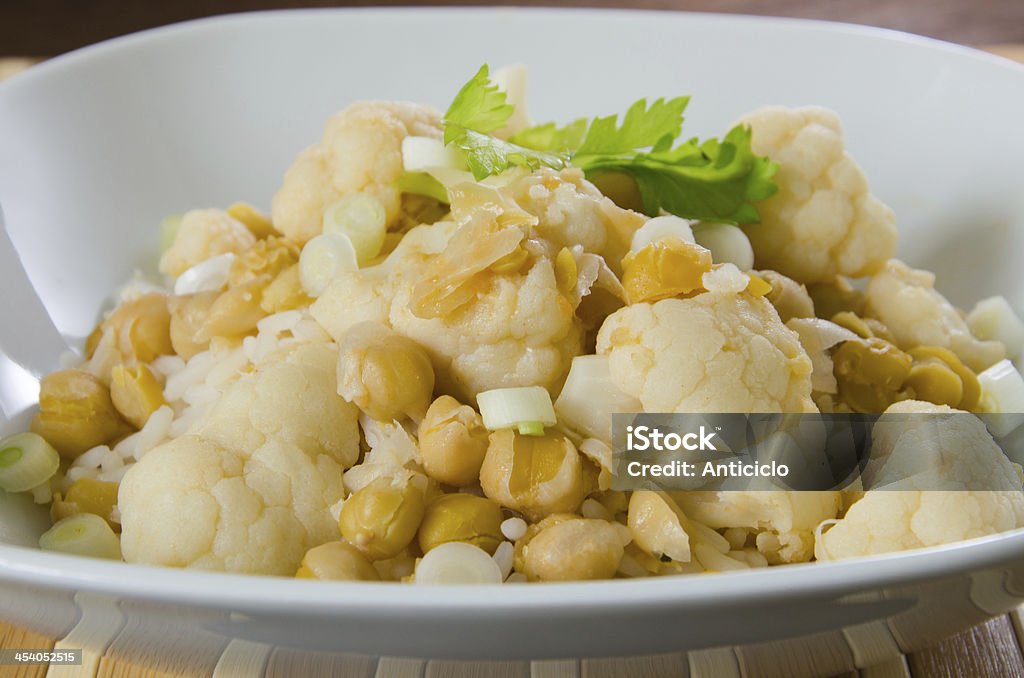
{"points": [[655, 229], [457, 563], [206, 276], [728, 244]]}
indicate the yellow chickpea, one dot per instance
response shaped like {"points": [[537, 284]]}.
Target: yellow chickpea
{"points": [[386, 375], [188, 314], [576, 549], [382, 519], [667, 268], [464, 518], [136, 393], [87, 495], [338, 561], [536, 475], [76, 413], [453, 442], [141, 328]]}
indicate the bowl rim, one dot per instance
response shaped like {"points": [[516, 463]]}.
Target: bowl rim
{"points": [[273, 594], [261, 593]]}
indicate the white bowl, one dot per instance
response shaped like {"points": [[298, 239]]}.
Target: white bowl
{"points": [[98, 145]]}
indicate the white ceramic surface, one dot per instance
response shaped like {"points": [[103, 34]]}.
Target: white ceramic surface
{"points": [[96, 146]]}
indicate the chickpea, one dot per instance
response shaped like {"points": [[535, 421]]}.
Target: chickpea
{"points": [[386, 375], [937, 369], [519, 553], [235, 312], [382, 519], [285, 293], [135, 393], [453, 442], [834, 297], [87, 495], [76, 413], [142, 328], [789, 297], [337, 560], [188, 314], [933, 381], [870, 374], [461, 517], [580, 548], [537, 475], [663, 269]]}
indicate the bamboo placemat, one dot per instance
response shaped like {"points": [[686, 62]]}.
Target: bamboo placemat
{"points": [[993, 648], [989, 649]]}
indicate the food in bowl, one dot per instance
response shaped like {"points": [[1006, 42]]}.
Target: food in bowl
{"points": [[407, 370]]}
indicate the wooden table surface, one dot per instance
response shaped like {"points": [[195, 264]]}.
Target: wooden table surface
{"points": [[990, 649]]}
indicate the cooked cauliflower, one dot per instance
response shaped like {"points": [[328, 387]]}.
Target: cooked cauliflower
{"points": [[915, 459], [204, 234], [248, 489], [916, 314], [720, 351], [361, 151], [484, 296], [571, 211], [783, 522], [823, 221]]}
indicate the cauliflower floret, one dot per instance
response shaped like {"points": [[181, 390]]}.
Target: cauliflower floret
{"points": [[482, 296], [571, 211], [361, 151], [720, 351], [823, 221], [915, 459], [249, 488], [916, 314], [520, 331], [204, 234], [784, 522]]}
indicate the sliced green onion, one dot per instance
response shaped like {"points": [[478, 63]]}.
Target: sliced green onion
{"points": [[1002, 398], [728, 244], [590, 398], [82, 535], [169, 231], [653, 230], [26, 461], [526, 408], [362, 218], [993, 318], [421, 183], [531, 428], [323, 259]]}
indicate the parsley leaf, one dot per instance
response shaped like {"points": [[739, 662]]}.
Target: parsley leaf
{"points": [[715, 180], [487, 155], [641, 127], [551, 137], [479, 106]]}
